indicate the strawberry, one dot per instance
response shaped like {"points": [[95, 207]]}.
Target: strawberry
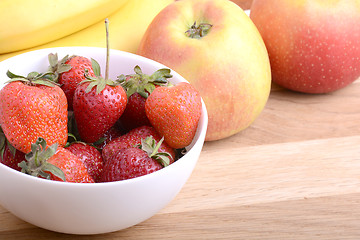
{"points": [[9, 156], [71, 71], [134, 138], [175, 112], [133, 162], [112, 133], [32, 107], [74, 170], [138, 86], [90, 156], [97, 109], [134, 115], [54, 163], [98, 102]]}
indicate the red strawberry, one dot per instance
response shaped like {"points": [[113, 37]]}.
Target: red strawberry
{"points": [[114, 132], [73, 168], [134, 115], [133, 162], [97, 109], [9, 156], [175, 112], [132, 139], [138, 86], [54, 163], [90, 156], [98, 103], [33, 107], [71, 71]]}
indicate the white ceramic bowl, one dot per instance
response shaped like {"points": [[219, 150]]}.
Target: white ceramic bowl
{"points": [[100, 207]]}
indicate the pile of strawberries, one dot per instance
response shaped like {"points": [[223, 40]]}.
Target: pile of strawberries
{"points": [[71, 124]]}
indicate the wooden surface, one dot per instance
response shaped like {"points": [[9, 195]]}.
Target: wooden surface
{"points": [[293, 174]]}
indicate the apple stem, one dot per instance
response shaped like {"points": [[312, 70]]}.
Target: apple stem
{"points": [[198, 31], [107, 48]]}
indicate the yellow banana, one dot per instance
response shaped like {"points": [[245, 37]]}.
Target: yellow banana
{"points": [[26, 24], [126, 28]]}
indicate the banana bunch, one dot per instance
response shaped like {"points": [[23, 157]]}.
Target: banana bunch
{"points": [[128, 20], [30, 23]]}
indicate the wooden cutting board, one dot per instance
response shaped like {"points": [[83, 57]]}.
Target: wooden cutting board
{"points": [[293, 174]]}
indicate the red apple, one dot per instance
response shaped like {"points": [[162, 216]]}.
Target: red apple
{"points": [[313, 45], [244, 4], [216, 47]]}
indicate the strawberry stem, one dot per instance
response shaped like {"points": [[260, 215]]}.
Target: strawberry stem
{"points": [[107, 48], [99, 82]]}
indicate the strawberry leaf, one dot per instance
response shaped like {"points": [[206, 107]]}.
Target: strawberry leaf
{"points": [[57, 67], [36, 147], [96, 67], [163, 158], [90, 86], [64, 68], [48, 152], [137, 70], [161, 75], [44, 82], [121, 79], [151, 147], [149, 87], [32, 75], [48, 167], [43, 174], [100, 86], [24, 167], [53, 59], [12, 75]]}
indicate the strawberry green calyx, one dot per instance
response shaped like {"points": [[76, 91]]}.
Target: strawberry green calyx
{"points": [[98, 82], [58, 66], [33, 78], [142, 83], [36, 163], [198, 31], [150, 146]]}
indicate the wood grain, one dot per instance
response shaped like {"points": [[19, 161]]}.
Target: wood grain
{"points": [[293, 174]]}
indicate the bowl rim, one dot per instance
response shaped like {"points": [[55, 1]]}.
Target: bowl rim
{"points": [[200, 133]]}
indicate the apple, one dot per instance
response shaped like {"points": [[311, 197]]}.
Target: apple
{"points": [[313, 45], [244, 4], [216, 47]]}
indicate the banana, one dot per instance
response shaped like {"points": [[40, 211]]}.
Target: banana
{"points": [[26, 24], [126, 26]]}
